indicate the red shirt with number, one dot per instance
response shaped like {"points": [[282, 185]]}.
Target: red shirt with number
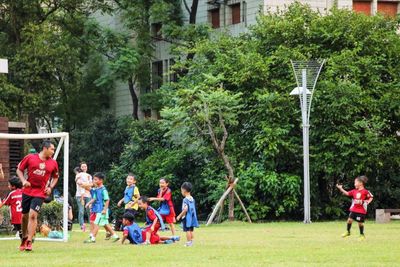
{"points": [[14, 200], [358, 204], [39, 173]]}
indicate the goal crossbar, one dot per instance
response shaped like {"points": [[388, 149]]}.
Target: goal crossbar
{"points": [[64, 140]]}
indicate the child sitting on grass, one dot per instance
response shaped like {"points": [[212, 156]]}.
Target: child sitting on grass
{"points": [[100, 203], [154, 222], [358, 209], [188, 214], [135, 235]]}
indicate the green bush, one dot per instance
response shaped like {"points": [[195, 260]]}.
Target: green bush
{"points": [[51, 214]]}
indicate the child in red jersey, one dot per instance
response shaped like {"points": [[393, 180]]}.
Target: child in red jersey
{"points": [[166, 209], [14, 200], [358, 209], [154, 222]]}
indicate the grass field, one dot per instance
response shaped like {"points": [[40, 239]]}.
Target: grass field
{"points": [[228, 244]]}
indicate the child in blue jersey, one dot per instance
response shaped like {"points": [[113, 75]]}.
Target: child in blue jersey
{"points": [[131, 195], [188, 214], [136, 236], [100, 203]]}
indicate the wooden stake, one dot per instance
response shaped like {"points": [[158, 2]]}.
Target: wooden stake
{"points": [[242, 205], [220, 201]]}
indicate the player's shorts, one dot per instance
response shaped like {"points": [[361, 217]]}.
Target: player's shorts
{"points": [[170, 218], [101, 219], [358, 217], [31, 203], [92, 217], [154, 237], [185, 228]]}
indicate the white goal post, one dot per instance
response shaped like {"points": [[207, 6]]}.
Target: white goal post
{"points": [[64, 139]]}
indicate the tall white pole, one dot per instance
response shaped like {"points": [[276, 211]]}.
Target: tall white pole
{"points": [[65, 188], [306, 162]]}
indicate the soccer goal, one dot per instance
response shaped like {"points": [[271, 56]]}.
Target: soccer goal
{"points": [[64, 140]]}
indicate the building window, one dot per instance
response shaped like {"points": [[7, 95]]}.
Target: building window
{"points": [[156, 30], [157, 74], [388, 8], [362, 7], [235, 11], [214, 18], [173, 77]]}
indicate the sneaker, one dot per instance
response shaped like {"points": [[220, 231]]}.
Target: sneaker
{"points": [[169, 241], [83, 227], [189, 244], [361, 237], [145, 243], [346, 234], [28, 246], [115, 238], [108, 236], [175, 238], [23, 244], [89, 241]]}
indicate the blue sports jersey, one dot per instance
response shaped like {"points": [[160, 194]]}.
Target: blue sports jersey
{"points": [[128, 193], [98, 204], [134, 233], [149, 222], [191, 215]]}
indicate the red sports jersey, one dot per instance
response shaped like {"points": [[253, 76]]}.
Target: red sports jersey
{"points": [[14, 200], [39, 173], [358, 203], [167, 195], [152, 216]]}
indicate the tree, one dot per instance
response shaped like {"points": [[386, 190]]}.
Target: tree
{"points": [[44, 41], [209, 110]]}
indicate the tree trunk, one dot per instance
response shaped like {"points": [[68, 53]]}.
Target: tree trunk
{"points": [[231, 215], [135, 100], [193, 12]]}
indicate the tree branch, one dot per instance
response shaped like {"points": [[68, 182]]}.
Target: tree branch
{"points": [[210, 130], [225, 136], [187, 7]]}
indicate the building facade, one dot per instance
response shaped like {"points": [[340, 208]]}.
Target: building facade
{"points": [[235, 17]]}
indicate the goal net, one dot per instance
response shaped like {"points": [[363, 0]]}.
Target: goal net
{"points": [[63, 143]]}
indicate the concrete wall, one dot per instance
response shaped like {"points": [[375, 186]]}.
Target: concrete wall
{"points": [[320, 5], [4, 157]]}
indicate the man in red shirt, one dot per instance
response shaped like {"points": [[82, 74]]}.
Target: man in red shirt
{"points": [[358, 209], [14, 201], [41, 167]]}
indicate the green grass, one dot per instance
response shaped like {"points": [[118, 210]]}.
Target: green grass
{"points": [[228, 244]]}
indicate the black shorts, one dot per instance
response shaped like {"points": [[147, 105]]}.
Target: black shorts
{"points": [[186, 229], [358, 217], [31, 203]]}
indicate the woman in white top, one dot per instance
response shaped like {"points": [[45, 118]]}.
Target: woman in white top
{"points": [[83, 185]]}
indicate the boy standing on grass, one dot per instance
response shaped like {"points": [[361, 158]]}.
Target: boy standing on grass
{"points": [[358, 209], [14, 200], [100, 203], [188, 214], [131, 196]]}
